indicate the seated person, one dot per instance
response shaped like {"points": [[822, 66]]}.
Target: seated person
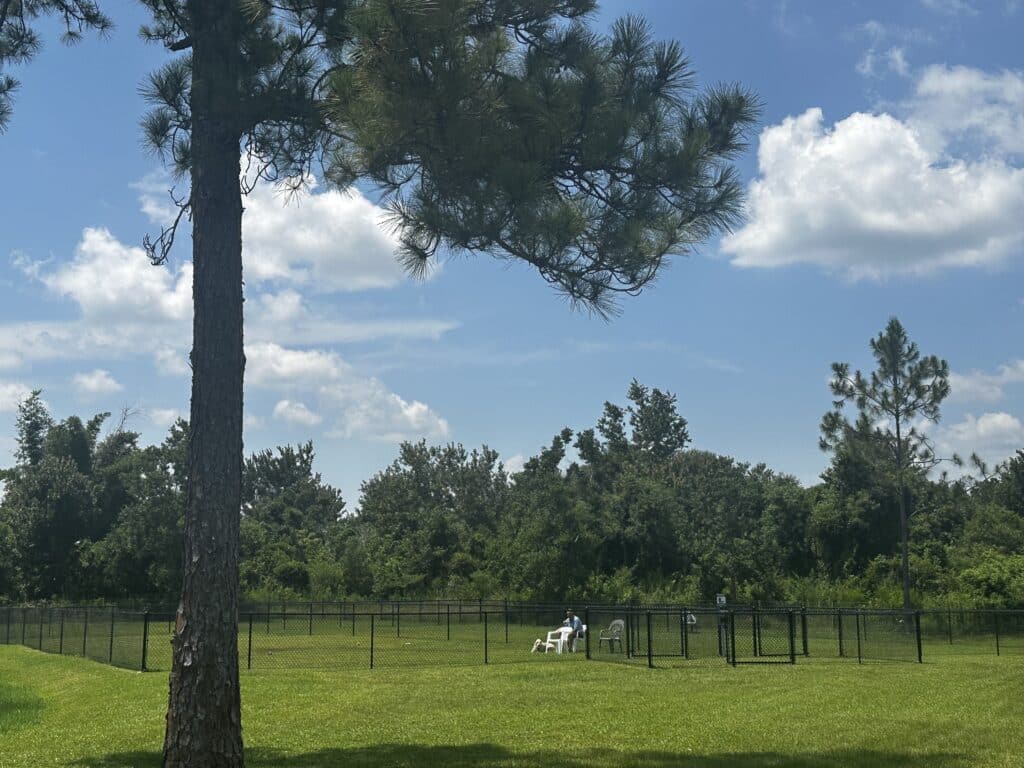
{"points": [[573, 622]]}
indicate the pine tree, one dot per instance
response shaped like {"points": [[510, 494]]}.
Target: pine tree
{"points": [[493, 126], [903, 389]]}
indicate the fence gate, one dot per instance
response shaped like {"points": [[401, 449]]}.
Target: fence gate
{"points": [[759, 636]]}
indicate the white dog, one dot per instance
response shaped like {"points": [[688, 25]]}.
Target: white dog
{"points": [[539, 646]]}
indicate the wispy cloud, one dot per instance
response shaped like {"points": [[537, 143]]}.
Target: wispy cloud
{"points": [[982, 386]]}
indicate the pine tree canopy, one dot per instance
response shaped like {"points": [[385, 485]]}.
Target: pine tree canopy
{"points": [[893, 402], [492, 126]]}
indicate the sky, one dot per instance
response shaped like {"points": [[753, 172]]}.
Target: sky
{"points": [[886, 178]]}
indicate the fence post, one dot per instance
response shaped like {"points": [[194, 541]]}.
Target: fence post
{"points": [[398, 619], [755, 629], [650, 647], [858, 640], [448, 619], [481, 604], [682, 632], [485, 637], [917, 631], [310, 618], [996, 614], [353, 619], [732, 637], [248, 653], [85, 631], [586, 636], [629, 634], [371, 639], [841, 649], [40, 629], [506, 621], [803, 629], [60, 648], [9, 612], [792, 637], [145, 639], [949, 624], [110, 654]]}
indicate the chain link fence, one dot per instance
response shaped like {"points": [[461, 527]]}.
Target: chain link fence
{"points": [[379, 634]]}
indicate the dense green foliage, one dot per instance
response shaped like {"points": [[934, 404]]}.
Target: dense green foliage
{"points": [[962, 713], [625, 510]]}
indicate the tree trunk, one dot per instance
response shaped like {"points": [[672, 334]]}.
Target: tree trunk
{"points": [[905, 548], [204, 728]]}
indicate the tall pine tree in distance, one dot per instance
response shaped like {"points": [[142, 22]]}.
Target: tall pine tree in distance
{"points": [[904, 389], [504, 127]]}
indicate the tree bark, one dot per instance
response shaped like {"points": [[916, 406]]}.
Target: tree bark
{"points": [[204, 728]]}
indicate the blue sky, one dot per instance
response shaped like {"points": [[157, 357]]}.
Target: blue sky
{"points": [[887, 178]]}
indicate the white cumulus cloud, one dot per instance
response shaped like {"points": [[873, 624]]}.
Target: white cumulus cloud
{"points": [[868, 198], [97, 382], [11, 395], [975, 386], [327, 241], [515, 463], [355, 405], [963, 107], [163, 417], [170, 361], [127, 307], [993, 436], [296, 414], [109, 280]]}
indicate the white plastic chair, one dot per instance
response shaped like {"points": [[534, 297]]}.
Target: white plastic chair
{"points": [[558, 637], [612, 635]]}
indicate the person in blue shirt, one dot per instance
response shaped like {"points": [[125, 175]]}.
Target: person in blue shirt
{"points": [[573, 621]]}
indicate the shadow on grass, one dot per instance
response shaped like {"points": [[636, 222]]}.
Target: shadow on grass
{"points": [[467, 756], [17, 707]]}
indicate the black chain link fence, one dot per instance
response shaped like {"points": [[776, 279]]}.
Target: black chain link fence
{"points": [[380, 634]]}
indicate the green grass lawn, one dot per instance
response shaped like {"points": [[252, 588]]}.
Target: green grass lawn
{"points": [[952, 713]]}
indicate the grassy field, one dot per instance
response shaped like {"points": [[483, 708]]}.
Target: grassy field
{"points": [[954, 713]]}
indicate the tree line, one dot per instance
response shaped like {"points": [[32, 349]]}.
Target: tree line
{"points": [[625, 510]]}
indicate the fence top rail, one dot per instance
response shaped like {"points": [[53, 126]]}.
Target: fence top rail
{"points": [[413, 607]]}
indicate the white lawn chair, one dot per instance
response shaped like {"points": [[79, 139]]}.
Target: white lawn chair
{"points": [[557, 638], [612, 635]]}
